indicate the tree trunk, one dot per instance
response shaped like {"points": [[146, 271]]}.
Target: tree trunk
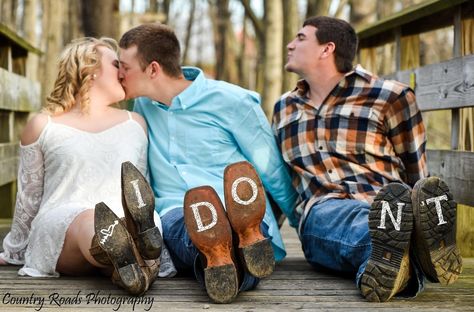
{"points": [[53, 12], [363, 12], [29, 24], [188, 31], [73, 27], [272, 61], [290, 28], [97, 18], [317, 7]]}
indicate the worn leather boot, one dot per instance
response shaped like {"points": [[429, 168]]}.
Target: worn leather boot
{"points": [[390, 226], [209, 230], [245, 205], [114, 239], [138, 203], [434, 236]]}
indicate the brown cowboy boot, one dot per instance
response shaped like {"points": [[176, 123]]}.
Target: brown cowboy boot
{"points": [[434, 236], [390, 224], [245, 205], [209, 230], [138, 202]]}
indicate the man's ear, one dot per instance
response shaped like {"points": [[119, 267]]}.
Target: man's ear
{"points": [[329, 49], [154, 69]]}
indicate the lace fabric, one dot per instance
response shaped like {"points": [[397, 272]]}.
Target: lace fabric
{"points": [[65, 172], [30, 191]]}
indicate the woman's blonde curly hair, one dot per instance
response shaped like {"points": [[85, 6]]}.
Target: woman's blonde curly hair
{"points": [[77, 65]]}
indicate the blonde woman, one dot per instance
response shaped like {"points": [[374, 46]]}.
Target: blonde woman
{"points": [[71, 157]]}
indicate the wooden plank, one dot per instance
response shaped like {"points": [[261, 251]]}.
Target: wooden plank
{"points": [[382, 31], [456, 168], [294, 286], [8, 34], [445, 85], [18, 93], [8, 162]]}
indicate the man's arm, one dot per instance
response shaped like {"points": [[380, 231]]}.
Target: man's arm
{"points": [[406, 131], [253, 134]]}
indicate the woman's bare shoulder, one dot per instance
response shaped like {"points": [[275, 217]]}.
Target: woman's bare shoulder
{"points": [[33, 128], [138, 118]]}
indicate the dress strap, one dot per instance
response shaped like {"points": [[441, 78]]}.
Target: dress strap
{"points": [[129, 115]]}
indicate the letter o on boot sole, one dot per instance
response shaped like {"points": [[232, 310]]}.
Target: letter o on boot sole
{"points": [[209, 230], [390, 226], [245, 203]]}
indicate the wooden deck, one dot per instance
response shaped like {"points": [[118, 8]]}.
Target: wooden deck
{"points": [[293, 286]]}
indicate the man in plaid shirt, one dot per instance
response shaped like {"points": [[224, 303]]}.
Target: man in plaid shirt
{"points": [[356, 147]]}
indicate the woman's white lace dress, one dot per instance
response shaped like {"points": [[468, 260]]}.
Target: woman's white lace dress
{"points": [[63, 173]]}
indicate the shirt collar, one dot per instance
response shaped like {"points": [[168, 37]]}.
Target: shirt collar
{"points": [[184, 99], [302, 87]]}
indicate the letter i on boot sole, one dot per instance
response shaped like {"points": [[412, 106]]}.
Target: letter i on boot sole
{"points": [[138, 202]]}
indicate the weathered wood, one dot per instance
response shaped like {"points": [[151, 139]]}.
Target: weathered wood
{"points": [[456, 168], [444, 85], [294, 286], [8, 162], [422, 17], [18, 93], [11, 36]]}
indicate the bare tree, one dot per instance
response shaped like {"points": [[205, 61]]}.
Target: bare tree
{"points": [[97, 17], [51, 39], [187, 38], [290, 27], [317, 7], [272, 74]]}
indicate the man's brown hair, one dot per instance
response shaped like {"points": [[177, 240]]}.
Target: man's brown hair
{"points": [[155, 42], [340, 32]]}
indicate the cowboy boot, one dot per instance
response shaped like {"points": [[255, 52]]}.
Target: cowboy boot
{"points": [[117, 243], [209, 230], [434, 236], [138, 203], [245, 205], [388, 269]]}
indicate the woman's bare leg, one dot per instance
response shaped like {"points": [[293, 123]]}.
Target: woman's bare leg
{"points": [[75, 258]]}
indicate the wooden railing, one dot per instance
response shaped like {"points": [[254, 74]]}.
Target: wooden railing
{"points": [[18, 97], [446, 85]]}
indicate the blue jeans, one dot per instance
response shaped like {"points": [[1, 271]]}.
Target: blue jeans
{"points": [[186, 256], [335, 235]]}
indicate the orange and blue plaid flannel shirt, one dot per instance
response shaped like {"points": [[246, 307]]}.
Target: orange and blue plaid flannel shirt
{"points": [[366, 133]]}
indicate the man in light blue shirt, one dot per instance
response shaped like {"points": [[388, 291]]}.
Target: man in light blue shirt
{"points": [[197, 127]]}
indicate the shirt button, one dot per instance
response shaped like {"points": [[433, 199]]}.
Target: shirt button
{"points": [[171, 113], [320, 147], [184, 172], [172, 138], [330, 170]]}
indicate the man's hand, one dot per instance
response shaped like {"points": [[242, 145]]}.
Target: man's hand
{"points": [[3, 262]]}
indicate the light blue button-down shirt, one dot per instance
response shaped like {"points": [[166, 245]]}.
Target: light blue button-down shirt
{"points": [[208, 126]]}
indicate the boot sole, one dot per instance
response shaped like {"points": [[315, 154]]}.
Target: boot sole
{"points": [[245, 203], [212, 236], [388, 245], [117, 243], [141, 208], [436, 247]]}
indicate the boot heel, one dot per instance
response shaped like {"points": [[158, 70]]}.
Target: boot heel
{"points": [[132, 277], [258, 258], [222, 284], [150, 242], [115, 240]]}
